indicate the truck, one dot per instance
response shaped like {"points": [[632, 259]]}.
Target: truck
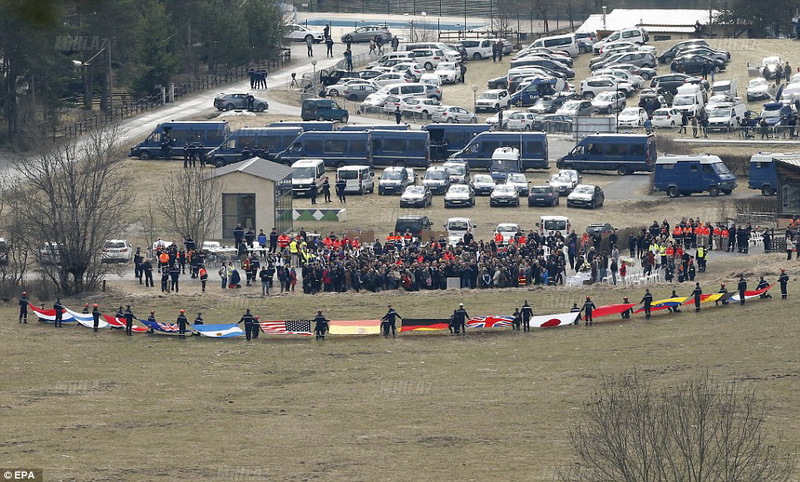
{"points": [[624, 153], [244, 143], [505, 160], [532, 148], [763, 174], [687, 174], [168, 139]]}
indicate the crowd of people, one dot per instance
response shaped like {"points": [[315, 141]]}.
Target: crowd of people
{"points": [[279, 262]]}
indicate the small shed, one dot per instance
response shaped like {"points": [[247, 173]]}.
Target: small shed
{"points": [[256, 193]]}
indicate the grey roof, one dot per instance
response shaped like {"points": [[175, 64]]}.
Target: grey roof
{"points": [[255, 166]]}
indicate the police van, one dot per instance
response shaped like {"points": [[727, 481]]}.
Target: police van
{"points": [[307, 176], [358, 179], [264, 142], [169, 138], [479, 151], [684, 175], [763, 174], [336, 148], [624, 153], [447, 139]]}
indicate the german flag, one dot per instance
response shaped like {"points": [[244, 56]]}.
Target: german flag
{"points": [[425, 324]]}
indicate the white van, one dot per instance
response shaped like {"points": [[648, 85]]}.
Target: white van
{"points": [[307, 176], [689, 99], [457, 228], [358, 179], [566, 42], [635, 35], [730, 87], [553, 224]]}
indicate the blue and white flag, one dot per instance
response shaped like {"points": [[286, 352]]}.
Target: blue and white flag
{"points": [[219, 331], [85, 319]]}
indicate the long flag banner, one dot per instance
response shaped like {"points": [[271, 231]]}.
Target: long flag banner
{"points": [[550, 321], [289, 327], [355, 327], [116, 322], [86, 319], [666, 303], [161, 327], [749, 295], [219, 331], [424, 324], [608, 310], [49, 316], [489, 321]]}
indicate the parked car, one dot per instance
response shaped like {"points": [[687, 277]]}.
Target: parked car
{"points": [[759, 89], [492, 100], [599, 228], [771, 67], [239, 101], [437, 179], [411, 69], [576, 108], [419, 106], [448, 72], [520, 121], [632, 117], [416, 197], [495, 119], [391, 78], [609, 102], [553, 123], [339, 87], [519, 181], [507, 231], [367, 33], [694, 63], [299, 33], [646, 73], [669, 82], [358, 92], [544, 195], [504, 195], [592, 86], [395, 179], [458, 171], [459, 195], [482, 184], [666, 117], [674, 51], [453, 113], [586, 196], [549, 104], [116, 251], [564, 181]]}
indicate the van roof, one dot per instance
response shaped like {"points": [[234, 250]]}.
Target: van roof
{"points": [[704, 159], [356, 167], [611, 135], [306, 162], [194, 123], [554, 218], [264, 130]]}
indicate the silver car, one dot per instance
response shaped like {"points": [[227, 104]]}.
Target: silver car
{"points": [[367, 33]]}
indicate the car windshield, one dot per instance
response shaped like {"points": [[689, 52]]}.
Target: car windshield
{"points": [[560, 178], [721, 168], [541, 190], [459, 189], [457, 226], [436, 175], [630, 112], [660, 112], [507, 229], [683, 100], [302, 172], [393, 175], [457, 169], [504, 165], [483, 178], [758, 82], [114, 244], [488, 95], [348, 174], [555, 225], [584, 190], [517, 178], [720, 112], [415, 190], [605, 96], [768, 114]]}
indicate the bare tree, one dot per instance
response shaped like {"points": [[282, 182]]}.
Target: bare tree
{"points": [[14, 255], [73, 196], [701, 430], [188, 199]]}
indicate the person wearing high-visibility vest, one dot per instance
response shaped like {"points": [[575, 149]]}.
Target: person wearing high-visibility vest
{"points": [[293, 251]]}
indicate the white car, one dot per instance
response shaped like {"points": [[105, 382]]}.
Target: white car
{"points": [[609, 101], [519, 181], [374, 102], [632, 117], [339, 88], [116, 251], [391, 78], [299, 33], [507, 230], [493, 120], [412, 68], [453, 113], [667, 117], [419, 106], [492, 100], [759, 89], [459, 195], [431, 79], [563, 182], [521, 121], [449, 72], [394, 101]]}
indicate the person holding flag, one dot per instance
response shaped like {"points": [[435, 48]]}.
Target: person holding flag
{"points": [[129, 317], [783, 279], [95, 317], [515, 324], [460, 317], [23, 306], [527, 314], [648, 303], [248, 321], [588, 306], [626, 315], [762, 284], [742, 287], [182, 322], [388, 321], [59, 313], [697, 293], [320, 325]]}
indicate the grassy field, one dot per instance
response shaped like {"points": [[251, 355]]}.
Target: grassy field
{"points": [[491, 405]]}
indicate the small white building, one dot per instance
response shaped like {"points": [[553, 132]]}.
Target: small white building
{"points": [[256, 193], [661, 24]]}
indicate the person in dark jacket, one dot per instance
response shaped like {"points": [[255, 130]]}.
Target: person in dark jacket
{"points": [[762, 284], [249, 321], [182, 322], [320, 325], [59, 313], [527, 314], [648, 302], [129, 317], [588, 307], [783, 279], [388, 322], [517, 320], [697, 293], [460, 317], [742, 288], [95, 317], [23, 307], [340, 185]]}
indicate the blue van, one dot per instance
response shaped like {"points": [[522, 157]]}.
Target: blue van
{"points": [[447, 139], [528, 95], [400, 148], [323, 109], [307, 125], [624, 153], [264, 142], [763, 174], [532, 148], [372, 127], [336, 148], [169, 138], [684, 175]]}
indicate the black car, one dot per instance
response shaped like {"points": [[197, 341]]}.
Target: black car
{"points": [[669, 82], [722, 55], [414, 224], [553, 123], [694, 63], [543, 196], [586, 196], [674, 51], [331, 77], [548, 104], [599, 228], [548, 64], [498, 83]]}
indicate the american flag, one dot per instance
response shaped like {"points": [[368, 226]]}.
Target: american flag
{"points": [[292, 327], [489, 321]]}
